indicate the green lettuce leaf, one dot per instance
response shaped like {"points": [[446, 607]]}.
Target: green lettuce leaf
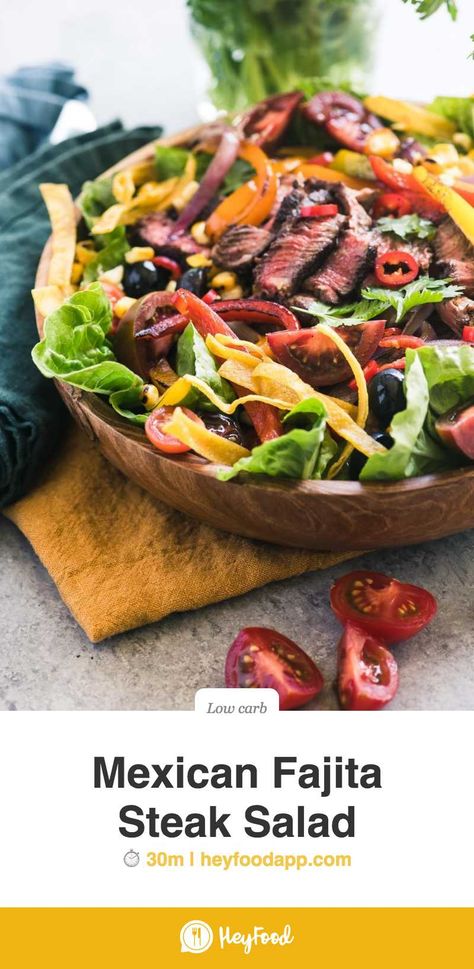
{"points": [[458, 110], [75, 347], [422, 290], [170, 162], [114, 246], [95, 198], [304, 452], [449, 373], [193, 357], [408, 227]]}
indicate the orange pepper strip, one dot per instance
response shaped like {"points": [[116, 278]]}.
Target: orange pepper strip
{"points": [[331, 175], [252, 202]]}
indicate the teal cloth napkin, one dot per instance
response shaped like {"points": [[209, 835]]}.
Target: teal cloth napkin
{"points": [[31, 412]]}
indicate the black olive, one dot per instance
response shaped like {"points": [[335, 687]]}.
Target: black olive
{"points": [[223, 426], [140, 278], [386, 395], [195, 280], [357, 460]]}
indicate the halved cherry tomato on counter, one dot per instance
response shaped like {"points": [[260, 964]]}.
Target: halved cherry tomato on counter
{"points": [[261, 657], [401, 342], [312, 355], [367, 677], [318, 211], [396, 268], [155, 430], [388, 609], [392, 203]]}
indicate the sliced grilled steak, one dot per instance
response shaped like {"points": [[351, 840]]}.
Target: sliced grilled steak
{"points": [[288, 208], [301, 245], [454, 255], [240, 245], [457, 313], [155, 230], [350, 262]]}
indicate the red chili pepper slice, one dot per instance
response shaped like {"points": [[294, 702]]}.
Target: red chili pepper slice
{"points": [[210, 296], [468, 334], [403, 342], [164, 263], [369, 371], [392, 203], [318, 211], [325, 158], [396, 268]]}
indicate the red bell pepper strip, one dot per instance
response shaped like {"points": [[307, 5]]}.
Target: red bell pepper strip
{"points": [[257, 311], [210, 296], [420, 201], [318, 211], [325, 158], [170, 264], [402, 342], [396, 268], [468, 334], [392, 203], [266, 419], [369, 371]]}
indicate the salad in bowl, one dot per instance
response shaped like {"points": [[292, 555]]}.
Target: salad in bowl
{"points": [[287, 296]]}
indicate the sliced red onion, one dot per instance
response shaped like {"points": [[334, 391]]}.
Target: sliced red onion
{"points": [[223, 160]]}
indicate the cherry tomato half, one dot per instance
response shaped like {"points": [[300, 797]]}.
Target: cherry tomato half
{"points": [[392, 203], [396, 268], [388, 609], [367, 674], [261, 657], [155, 430]]}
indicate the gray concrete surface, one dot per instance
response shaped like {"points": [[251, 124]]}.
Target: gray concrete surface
{"points": [[47, 663]]}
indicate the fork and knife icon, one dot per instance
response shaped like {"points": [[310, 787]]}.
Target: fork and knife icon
{"points": [[196, 930]]}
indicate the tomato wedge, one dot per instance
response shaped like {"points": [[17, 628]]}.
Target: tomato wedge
{"points": [[384, 607], [261, 657], [155, 430], [367, 676], [312, 355]]}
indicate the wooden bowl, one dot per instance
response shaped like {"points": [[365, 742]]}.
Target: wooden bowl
{"points": [[335, 515]]}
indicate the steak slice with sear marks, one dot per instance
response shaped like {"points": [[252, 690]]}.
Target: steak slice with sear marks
{"points": [[457, 313], [298, 248], [454, 255], [240, 245], [353, 257], [155, 230]]}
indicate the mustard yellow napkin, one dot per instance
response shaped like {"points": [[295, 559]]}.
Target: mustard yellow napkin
{"points": [[121, 559]]}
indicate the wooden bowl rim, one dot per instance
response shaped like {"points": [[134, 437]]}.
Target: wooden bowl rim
{"points": [[93, 403]]}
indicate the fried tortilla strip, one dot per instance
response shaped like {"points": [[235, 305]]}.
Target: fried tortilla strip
{"points": [[60, 206]]}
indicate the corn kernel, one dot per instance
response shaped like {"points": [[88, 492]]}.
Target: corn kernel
{"points": [[171, 287], [123, 305], [199, 234], [236, 292], [85, 252], [150, 396], [76, 273], [114, 275], [224, 280], [198, 260], [139, 254]]}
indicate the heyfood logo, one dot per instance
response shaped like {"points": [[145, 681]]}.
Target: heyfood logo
{"points": [[196, 937]]}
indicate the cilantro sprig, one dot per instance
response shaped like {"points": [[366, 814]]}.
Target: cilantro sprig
{"points": [[408, 226], [376, 300]]}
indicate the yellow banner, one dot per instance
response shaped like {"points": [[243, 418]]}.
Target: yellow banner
{"points": [[325, 937]]}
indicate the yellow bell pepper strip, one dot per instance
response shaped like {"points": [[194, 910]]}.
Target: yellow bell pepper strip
{"points": [[217, 449], [61, 211], [330, 175], [363, 397], [410, 117], [352, 163], [461, 212], [252, 202]]}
